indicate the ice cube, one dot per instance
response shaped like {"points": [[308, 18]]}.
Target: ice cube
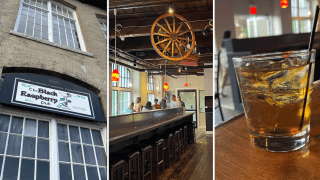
{"points": [[272, 76]]}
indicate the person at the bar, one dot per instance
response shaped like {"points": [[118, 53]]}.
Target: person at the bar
{"points": [[137, 105], [182, 103], [163, 103], [175, 103], [130, 109], [148, 107], [156, 105]]}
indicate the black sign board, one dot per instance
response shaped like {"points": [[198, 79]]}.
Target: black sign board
{"points": [[50, 94]]}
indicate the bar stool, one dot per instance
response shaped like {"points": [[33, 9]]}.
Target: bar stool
{"points": [[158, 150], [168, 147], [116, 168], [176, 144], [144, 149], [180, 140], [190, 133], [194, 133], [183, 138], [130, 157]]}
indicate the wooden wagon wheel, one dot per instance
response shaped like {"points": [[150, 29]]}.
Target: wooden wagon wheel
{"points": [[172, 37]]}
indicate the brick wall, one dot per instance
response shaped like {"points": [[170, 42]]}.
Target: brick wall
{"points": [[16, 51]]}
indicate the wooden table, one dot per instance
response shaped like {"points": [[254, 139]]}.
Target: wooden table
{"points": [[237, 158]]}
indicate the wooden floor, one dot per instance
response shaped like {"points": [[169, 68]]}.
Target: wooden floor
{"points": [[196, 162]]}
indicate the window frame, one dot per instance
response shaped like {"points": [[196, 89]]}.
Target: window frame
{"points": [[50, 26], [300, 18], [104, 22], [154, 97], [120, 102], [54, 150], [151, 84], [117, 103]]}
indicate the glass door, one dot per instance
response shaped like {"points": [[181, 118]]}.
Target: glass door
{"points": [[189, 97]]}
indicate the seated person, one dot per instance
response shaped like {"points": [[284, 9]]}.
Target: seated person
{"points": [[156, 105], [130, 109], [148, 107], [163, 103]]}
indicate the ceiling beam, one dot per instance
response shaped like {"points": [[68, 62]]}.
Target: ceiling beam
{"points": [[145, 30], [208, 59], [118, 4], [144, 43]]}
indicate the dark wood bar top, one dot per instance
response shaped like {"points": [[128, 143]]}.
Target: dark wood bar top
{"points": [[124, 127], [237, 158]]}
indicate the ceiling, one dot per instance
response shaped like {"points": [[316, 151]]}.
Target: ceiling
{"points": [[98, 3], [136, 18]]}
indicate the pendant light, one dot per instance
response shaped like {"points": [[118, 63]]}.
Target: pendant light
{"points": [[186, 84], [166, 86], [284, 3], [115, 73]]}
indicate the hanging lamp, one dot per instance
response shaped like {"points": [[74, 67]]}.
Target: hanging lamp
{"points": [[166, 85], [284, 3], [186, 84], [115, 73]]}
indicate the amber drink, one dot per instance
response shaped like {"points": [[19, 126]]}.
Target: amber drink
{"points": [[273, 89]]}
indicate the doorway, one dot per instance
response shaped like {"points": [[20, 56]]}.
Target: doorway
{"points": [[189, 97]]}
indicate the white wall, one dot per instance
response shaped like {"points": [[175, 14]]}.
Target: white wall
{"points": [[208, 79]]}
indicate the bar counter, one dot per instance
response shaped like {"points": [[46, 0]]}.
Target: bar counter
{"points": [[237, 158], [130, 128]]}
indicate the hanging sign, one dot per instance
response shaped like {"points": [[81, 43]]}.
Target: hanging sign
{"points": [[50, 94]]}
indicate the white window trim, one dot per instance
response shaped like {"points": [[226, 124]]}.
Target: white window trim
{"points": [[50, 30], [101, 20], [53, 141]]}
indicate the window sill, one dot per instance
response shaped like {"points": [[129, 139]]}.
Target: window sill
{"points": [[50, 43]]}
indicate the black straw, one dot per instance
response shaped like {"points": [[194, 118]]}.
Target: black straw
{"points": [[310, 64]]}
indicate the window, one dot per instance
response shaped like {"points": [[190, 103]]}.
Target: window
{"points": [[202, 101], [252, 26], [151, 98], [150, 83], [81, 153], [103, 24], [25, 150], [301, 16], [24, 142], [50, 21], [125, 77], [124, 101], [114, 103]]}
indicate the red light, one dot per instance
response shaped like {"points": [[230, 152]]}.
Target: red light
{"points": [[166, 86], [284, 3], [115, 75], [186, 84], [253, 10]]}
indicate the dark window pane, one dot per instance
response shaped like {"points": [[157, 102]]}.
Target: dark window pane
{"points": [[37, 34], [45, 23], [38, 22], [16, 125], [11, 168], [103, 173], [62, 132], [86, 137], [70, 44], [27, 169], [3, 139], [64, 152], [14, 145], [4, 123], [45, 35], [74, 134], [43, 172], [92, 173], [101, 157], [30, 127], [76, 153], [56, 39], [21, 29], [29, 145], [55, 27], [63, 41], [96, 135], [43, 127], [89, 155], [29, 31], [37, 27], [31, 20], [43, 149], [78, 172], [65, 171], [45, 29], [56, 33], [38, 16]]}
